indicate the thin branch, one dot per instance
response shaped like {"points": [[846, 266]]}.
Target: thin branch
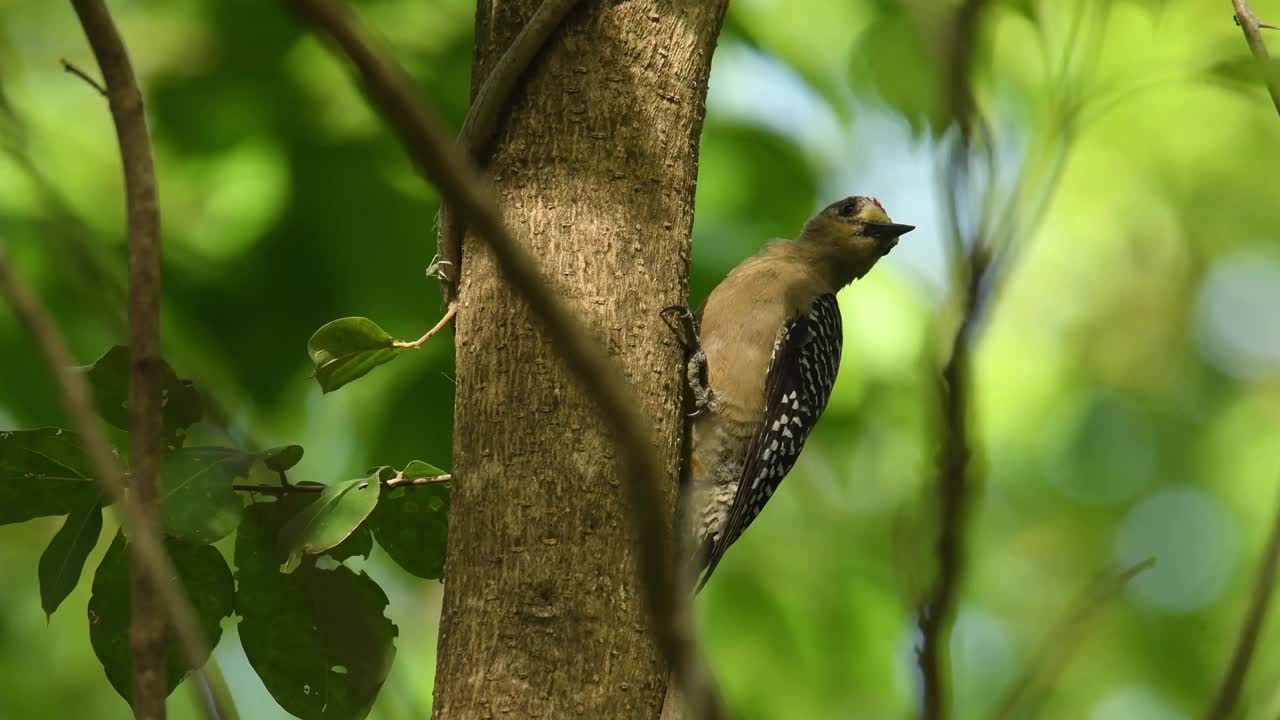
{"points": [[954, 490], [146, 443], [464, 189], [1263, 589], [77, 400], [1064, 637], [481, 123], [448, 315], [1250, 26], [954, 498], [71, 68], [393, 483]]}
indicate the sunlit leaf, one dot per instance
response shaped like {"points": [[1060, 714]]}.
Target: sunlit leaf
{"points": [[332, 518], [43, 472], [894, 61], [347, 349], [109, 377], [419, 469], [207, 581], [63, 560], [318, 639]]}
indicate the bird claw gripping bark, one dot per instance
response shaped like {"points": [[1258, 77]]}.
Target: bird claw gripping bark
{"points": [[684, 324]]}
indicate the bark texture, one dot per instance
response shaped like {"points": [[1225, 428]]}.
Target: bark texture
{"points": [[595, 169]]}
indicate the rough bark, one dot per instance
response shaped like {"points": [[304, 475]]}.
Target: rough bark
{"points": [[595, 169]]}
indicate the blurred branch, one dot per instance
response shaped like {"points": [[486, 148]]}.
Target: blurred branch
{"points": [[71, 68], [954, 482], [77, 400], [464, 188], [954, 499], [147, 622], [1263, 589], [1064, 637], [1249, 24], [481, 123]]}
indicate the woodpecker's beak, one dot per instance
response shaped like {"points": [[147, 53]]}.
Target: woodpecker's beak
{"points": [[886, 231]]}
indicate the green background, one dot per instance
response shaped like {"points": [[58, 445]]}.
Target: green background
{"points": [[1127, 380]]}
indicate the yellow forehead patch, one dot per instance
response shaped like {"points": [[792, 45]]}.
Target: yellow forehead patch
{"points": [[873, 213]]}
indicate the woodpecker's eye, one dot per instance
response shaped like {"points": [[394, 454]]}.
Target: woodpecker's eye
{"points": [[848, 209]]}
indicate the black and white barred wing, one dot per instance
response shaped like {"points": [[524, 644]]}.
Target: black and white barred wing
{"points": [[802, 371]]}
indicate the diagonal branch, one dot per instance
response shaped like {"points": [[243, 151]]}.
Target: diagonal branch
{"points": [[1263, 589], [1252, 30], [468, 193], [147, 623], [77, 400], [1062, 640]]}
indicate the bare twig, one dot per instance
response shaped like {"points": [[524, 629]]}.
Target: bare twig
{"points": [[481, 123], [71, 68], [147, 625], [1263, 589], [1063, 638], [77, 400], [448, 315], [1250, 26], [393, 483], [464, 189]]}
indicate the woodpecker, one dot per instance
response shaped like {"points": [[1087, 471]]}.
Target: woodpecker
{"points": [[765, 349]]}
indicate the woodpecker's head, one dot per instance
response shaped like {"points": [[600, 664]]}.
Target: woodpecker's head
{"points": [[849, 236], [858, 225]]}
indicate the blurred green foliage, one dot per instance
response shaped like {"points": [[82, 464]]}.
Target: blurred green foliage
{"points": [[1126, 380]]}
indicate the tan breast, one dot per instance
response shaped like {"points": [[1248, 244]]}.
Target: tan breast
{"points": [[741, 321]]}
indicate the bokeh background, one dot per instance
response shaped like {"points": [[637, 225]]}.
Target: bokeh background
{"points": [[1127, 395]]}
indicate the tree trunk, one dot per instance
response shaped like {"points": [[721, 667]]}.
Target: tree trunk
{"points": [[595, 169]]}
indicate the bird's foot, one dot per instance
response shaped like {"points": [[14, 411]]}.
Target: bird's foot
{"points": [[684, 325]]}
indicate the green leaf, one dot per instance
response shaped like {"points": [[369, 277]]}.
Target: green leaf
{"points": [[360, 544], [412, 523], [319, 639], [109, 376], [418, 469], [62, 561], [283, 457], [205, 578], [332, 518], [200, 504], [895, 61], [347, 349], [43, 472]]}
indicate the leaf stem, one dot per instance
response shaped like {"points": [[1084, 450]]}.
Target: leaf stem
{"points": [[398, 481], [448, 315]]}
